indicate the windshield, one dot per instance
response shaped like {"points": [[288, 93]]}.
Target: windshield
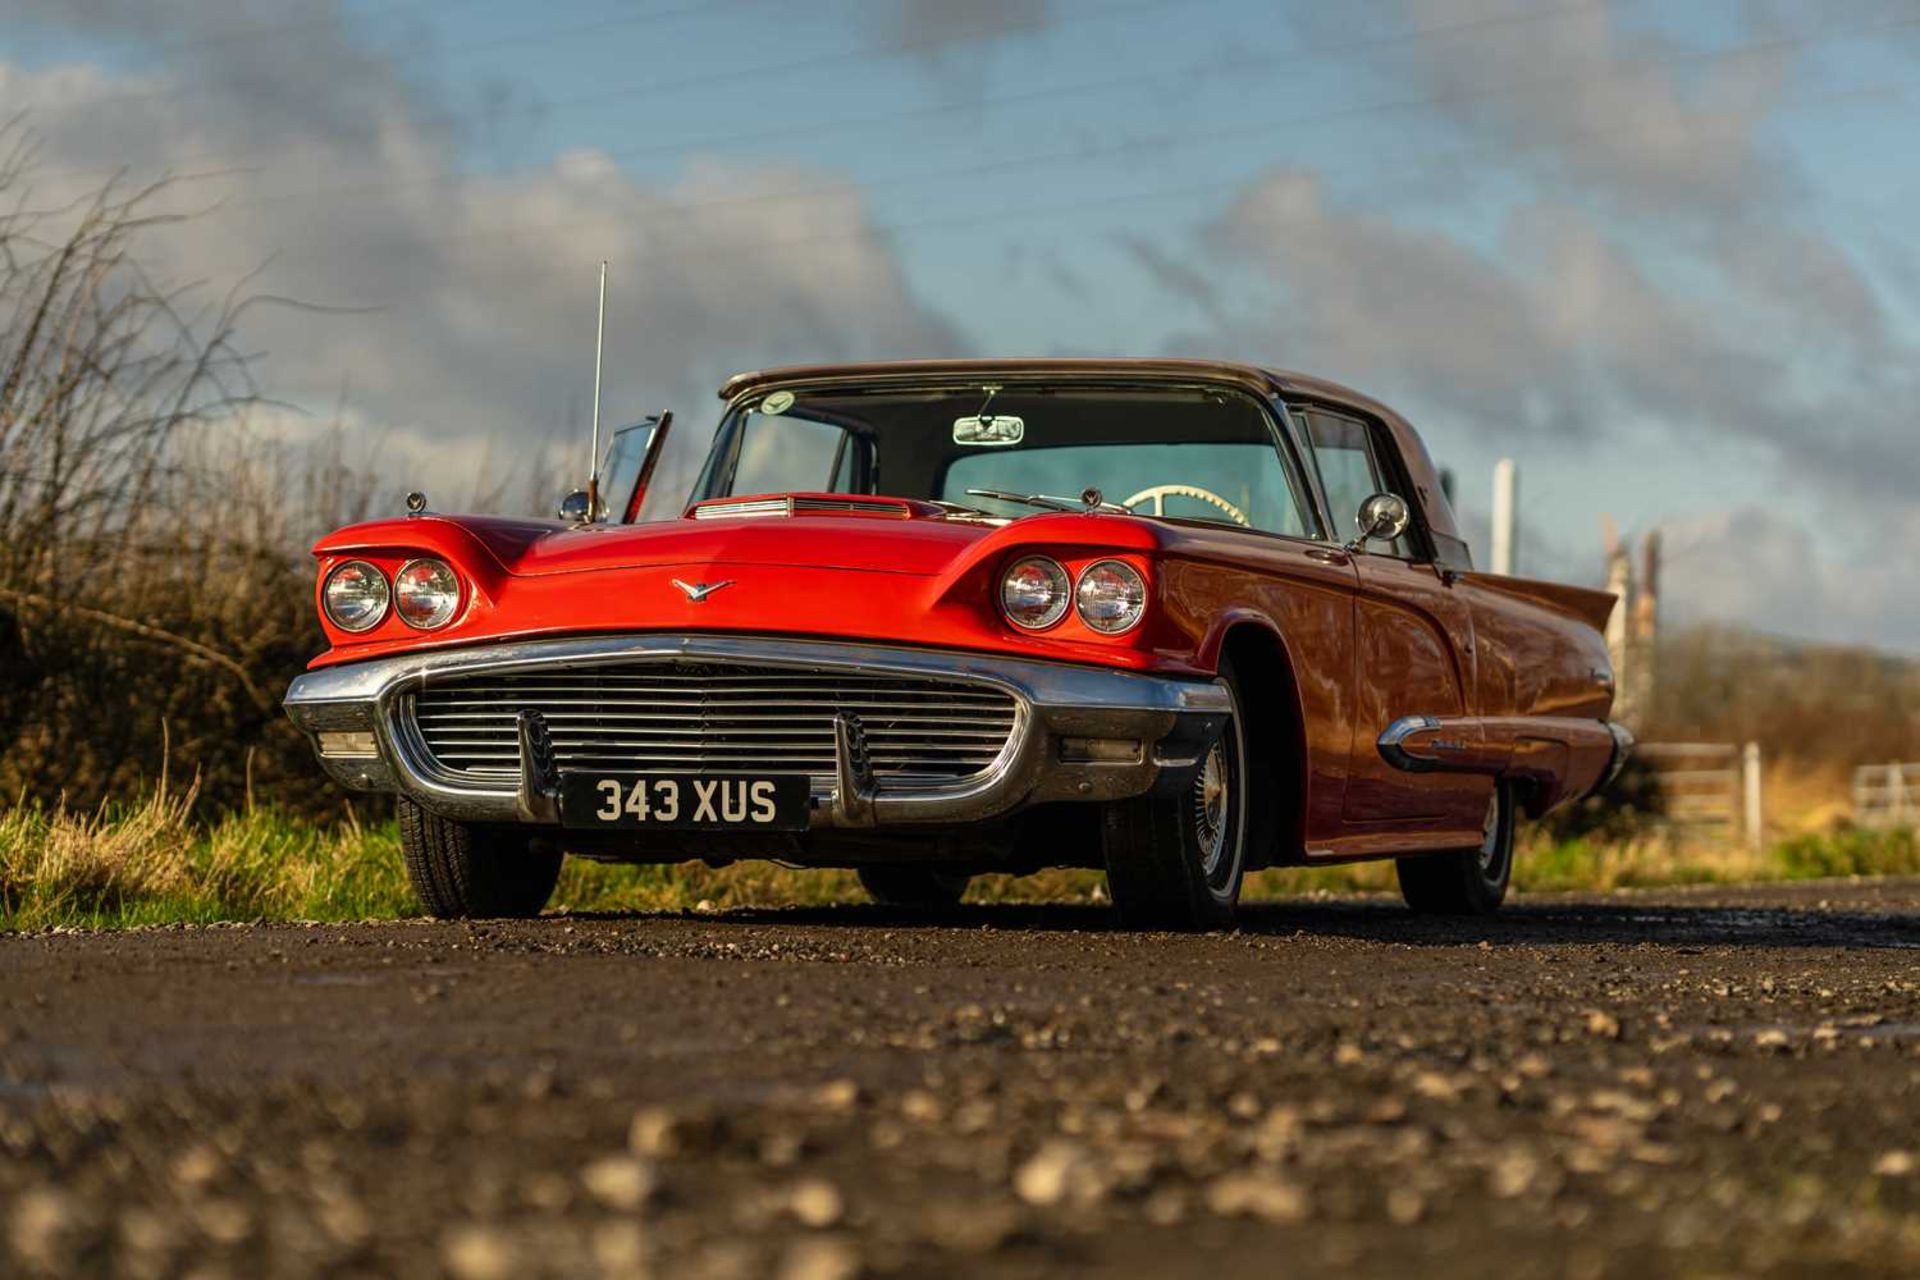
{"points": [[1197, 453]]}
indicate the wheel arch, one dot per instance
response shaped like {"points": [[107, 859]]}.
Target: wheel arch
{"points": [[1276, 737]]}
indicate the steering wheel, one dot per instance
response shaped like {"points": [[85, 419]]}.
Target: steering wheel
{"points": [[1161, 492]]}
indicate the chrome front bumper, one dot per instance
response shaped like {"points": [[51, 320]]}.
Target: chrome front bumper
{"points": [[1173, 720]]}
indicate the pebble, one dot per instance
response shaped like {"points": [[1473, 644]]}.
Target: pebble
{"points": [[620, 1182], [820, 1259], [1513, 1173], [1895, 1164], [1266, 1196], [837, 1095], [971, 1228], [477, 1253], [40, 1227], [1047, 1176], [1405, 1206], [197, 1166], [816, 1203], [661, 1132], [620, 1249]]}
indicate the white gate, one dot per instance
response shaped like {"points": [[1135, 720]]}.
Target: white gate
{"points": [[1887, 795], [1711, 785]]}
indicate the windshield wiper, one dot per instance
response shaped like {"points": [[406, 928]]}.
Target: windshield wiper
{"points": [[1091, 500], [962, 509]]}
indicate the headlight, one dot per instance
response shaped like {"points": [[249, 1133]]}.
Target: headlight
{"points": [[1035, 593], [355, 596], [1111, 597], [425, 594]]}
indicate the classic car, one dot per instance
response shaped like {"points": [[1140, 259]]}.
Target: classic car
{"points": [[1176, 620]]}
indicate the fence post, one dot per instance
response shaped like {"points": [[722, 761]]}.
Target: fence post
{"points": [[1750, 789], [1896, 794]]}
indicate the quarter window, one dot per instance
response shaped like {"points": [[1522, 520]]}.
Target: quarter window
{"points": [[1351, 471]]}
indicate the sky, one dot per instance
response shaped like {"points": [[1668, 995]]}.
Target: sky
{"points": [[1661, 254]]}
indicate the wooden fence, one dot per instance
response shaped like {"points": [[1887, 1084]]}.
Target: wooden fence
{"points": [[1887, 795], [1711, 786]]}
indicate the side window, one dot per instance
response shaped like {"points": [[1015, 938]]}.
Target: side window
{"points": [[784, 454], [1351, 472]]}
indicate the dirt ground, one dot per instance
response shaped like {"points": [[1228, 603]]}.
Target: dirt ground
{"points": [[1677, 1083]]}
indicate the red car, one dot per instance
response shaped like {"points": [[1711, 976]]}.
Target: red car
{"points": [[1179, 620]]}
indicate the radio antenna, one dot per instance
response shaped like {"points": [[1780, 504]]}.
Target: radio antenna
{"points": [[599, 346]]}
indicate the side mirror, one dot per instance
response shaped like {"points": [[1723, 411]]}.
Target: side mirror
{"points": [[1383, 517], [576, 507]]}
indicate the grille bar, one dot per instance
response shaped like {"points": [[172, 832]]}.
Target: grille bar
{"points": [[679, 715]]}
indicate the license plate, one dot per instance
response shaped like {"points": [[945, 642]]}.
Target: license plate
{"points": [[684, 801]]}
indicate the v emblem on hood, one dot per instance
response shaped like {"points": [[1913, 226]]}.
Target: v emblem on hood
{"points": [[698, 591]]}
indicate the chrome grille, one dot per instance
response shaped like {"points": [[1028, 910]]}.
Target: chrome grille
{"points": [[701, 716]]}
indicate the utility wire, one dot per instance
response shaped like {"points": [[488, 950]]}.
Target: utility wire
{"points": [[1551, 83], [231, 159], [651, 87], [1205, 67], [523, 40]]}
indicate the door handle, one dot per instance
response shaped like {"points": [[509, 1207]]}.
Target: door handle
{"points": [[1326, 556]]}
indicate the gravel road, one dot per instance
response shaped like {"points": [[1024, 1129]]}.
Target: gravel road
{"points": [[1688, 1082]]}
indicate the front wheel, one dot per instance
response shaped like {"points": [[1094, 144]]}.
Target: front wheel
{"points": [[462, 871], [1176, 862], [1470, 883]]}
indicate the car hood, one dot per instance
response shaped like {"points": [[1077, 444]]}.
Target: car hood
{"points": [[913, 544]]}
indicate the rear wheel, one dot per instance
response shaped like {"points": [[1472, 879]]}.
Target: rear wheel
{"points": [[896, 886], [461, 871], [1470, 883], [1176, 862]]}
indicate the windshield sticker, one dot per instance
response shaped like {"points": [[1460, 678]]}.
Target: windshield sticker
{"points": [[777, 403], [989, 430]]}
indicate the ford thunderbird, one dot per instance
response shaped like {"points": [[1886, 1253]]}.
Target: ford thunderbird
{"points": [[1176, 620]]}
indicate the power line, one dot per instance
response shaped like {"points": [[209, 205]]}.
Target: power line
{"points": [[650, 88], [678, 211], [270, 32], [1240, 67]]}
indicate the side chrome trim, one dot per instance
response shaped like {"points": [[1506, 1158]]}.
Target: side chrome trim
{"points": [[1394, 739], [1174, 719]]}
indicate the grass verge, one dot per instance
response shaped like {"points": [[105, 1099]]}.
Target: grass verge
{"points": [[157, 863]]}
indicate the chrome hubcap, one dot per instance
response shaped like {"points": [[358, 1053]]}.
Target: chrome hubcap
{"points": [[1490, 837], [1211, 796]]}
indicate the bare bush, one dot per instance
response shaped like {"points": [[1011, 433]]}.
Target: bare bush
{"points": [[154, 592], [1811, 706]]}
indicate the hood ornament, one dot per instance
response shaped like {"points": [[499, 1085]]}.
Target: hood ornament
{"points": [[698, 591]]}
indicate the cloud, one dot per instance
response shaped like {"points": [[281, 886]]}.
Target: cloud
{"points": [[1750, 566], [1362, 296], [472, 294], [1656, 279], [1656, 264], [1632, 118]]}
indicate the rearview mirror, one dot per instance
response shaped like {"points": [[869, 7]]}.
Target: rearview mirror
{"points": [[574, 507], [989, 430], [1383, 517]]}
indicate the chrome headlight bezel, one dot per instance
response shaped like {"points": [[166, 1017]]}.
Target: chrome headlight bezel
{"points": [[453, 589], [384, 597], [1055, 609], [1108, 582]]}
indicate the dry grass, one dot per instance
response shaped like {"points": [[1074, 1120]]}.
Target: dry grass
{"points": [[157, 862]]}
